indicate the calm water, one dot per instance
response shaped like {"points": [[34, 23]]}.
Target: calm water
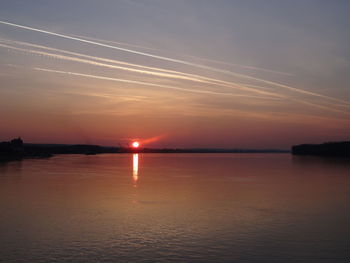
{"points": [[175, 208]]}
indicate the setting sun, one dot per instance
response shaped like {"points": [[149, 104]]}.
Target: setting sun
{"points": [[135, 144], [160, 130]]}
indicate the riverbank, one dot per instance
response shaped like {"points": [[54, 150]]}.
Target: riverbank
{"points": [[17, 150]]}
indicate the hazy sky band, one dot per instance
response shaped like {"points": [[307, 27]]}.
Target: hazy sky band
{"points": [[173, 60], [177, 75], [240, 73]]}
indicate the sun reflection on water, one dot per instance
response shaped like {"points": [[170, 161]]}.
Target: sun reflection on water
{"points": [[135, 167]]}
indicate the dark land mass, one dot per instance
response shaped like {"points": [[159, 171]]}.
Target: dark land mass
{"points": [[51, 149], [336, 149], [96, 149], [17, 150]]}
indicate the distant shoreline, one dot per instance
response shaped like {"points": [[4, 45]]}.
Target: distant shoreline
{"points": [[17, 150], [328, 149]]}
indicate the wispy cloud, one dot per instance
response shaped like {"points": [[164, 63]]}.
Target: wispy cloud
{"points": [[173, 74], [139, 82], [113, 42], [276, 84], [243, 66], [198, 58]]}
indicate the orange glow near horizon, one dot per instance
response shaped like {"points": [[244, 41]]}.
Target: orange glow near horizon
{"points": [[136, 144]]}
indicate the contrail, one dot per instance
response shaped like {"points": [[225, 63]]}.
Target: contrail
{"points": [[142, 83], [171, 87], [93, 57], [321, 106], [58, 56], [174, 60], [200, 58], [176, 75], [113, 42], [63, 57], [241, 66], [100, 44]]}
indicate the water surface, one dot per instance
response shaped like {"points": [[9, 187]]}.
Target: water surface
{"points": [[175, 207]]}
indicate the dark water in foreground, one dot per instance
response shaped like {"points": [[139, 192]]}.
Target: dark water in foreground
{"points": [[175, 208]]}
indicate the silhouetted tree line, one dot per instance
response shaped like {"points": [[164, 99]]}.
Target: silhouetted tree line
{"points": [[69, 149], [325, 149], [12, 150], [17, 150]]}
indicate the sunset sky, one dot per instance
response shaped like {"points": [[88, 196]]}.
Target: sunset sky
{"points": [[184, 73]]}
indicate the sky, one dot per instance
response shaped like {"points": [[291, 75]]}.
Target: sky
{"points": [[185, 73]]}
